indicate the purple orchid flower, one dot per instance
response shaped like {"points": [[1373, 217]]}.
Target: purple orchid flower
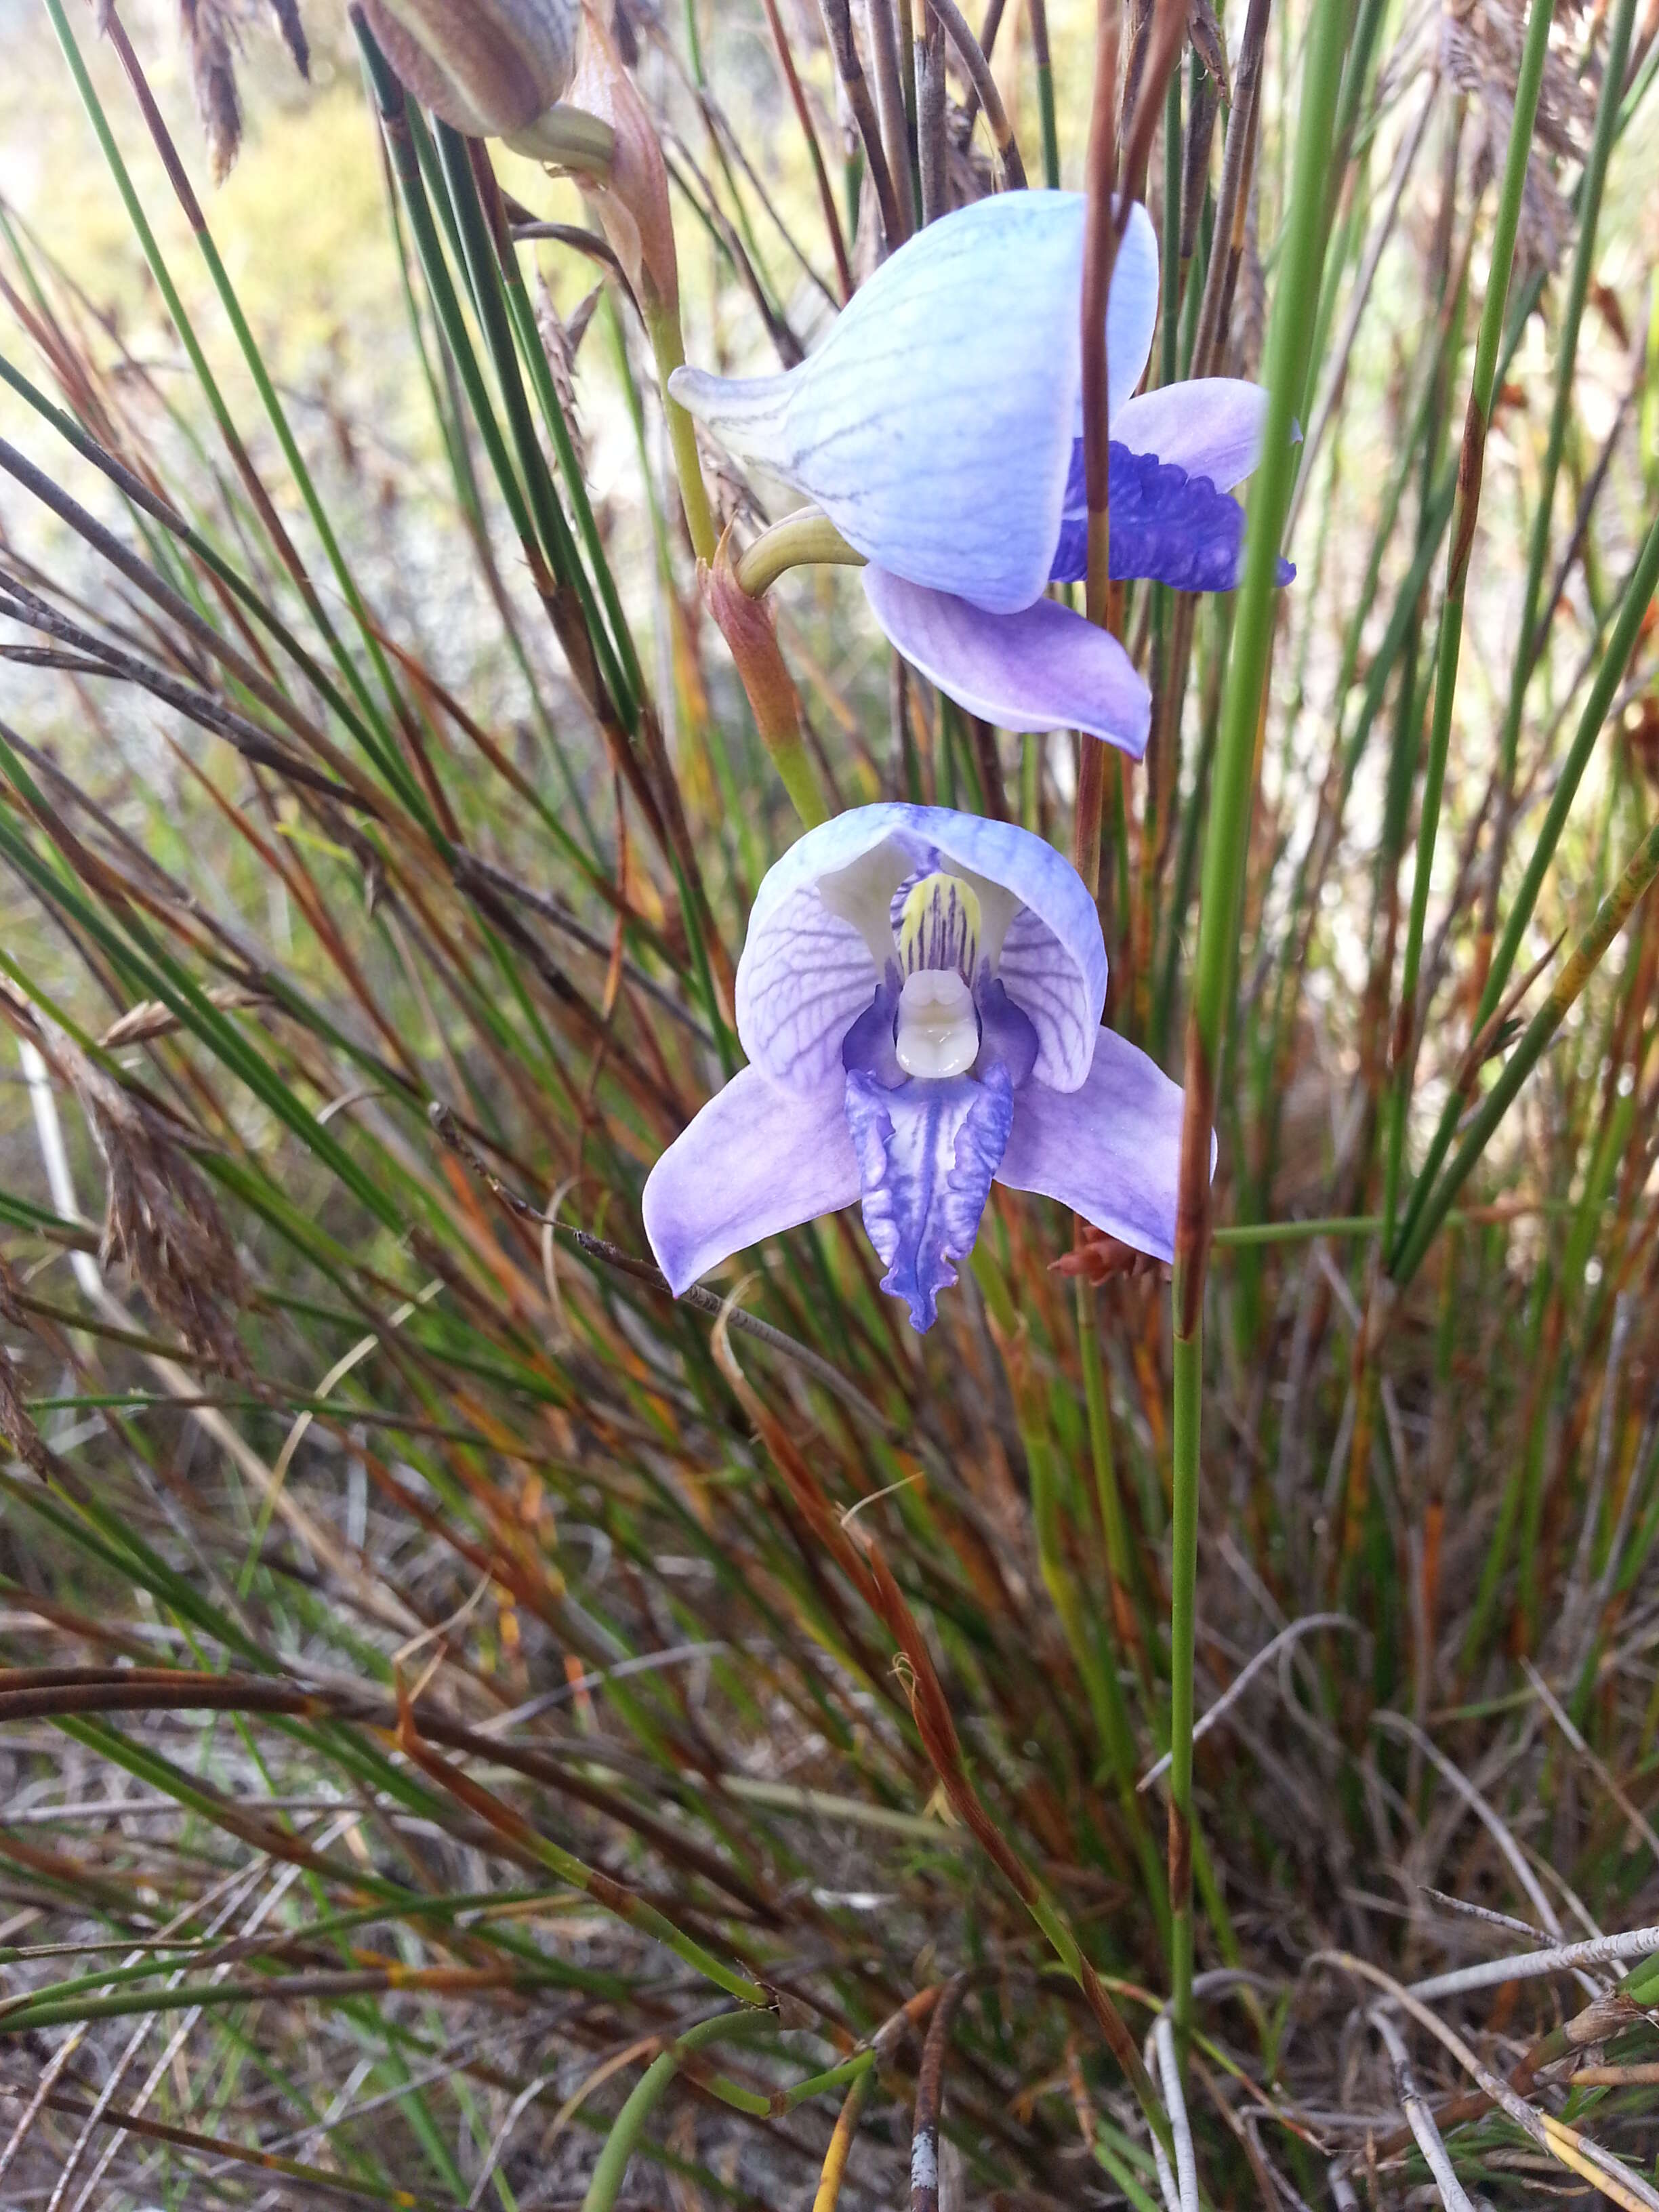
{"points": [[939, 428], [920, 997]]}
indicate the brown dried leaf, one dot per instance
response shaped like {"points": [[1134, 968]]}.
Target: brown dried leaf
{"points": [[1210, 43], [1100, 1259]]}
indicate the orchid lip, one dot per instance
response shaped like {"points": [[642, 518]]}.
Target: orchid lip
{"points": [[936, 1031]]}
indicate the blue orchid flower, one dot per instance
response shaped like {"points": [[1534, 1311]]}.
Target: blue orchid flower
{"points": [[919, 998], [939, 428]]}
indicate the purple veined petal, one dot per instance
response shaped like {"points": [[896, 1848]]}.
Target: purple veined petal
{"points": [[756, 1161], [928, 1152], [1040, 668], [806, 973], [1210, 426], [1110, 1151]]}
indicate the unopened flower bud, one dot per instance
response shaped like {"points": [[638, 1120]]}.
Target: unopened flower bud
{"points": [[490, 68], [632, 201]]}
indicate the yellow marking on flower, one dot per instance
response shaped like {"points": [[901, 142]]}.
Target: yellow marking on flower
{"points": [[939, 926]]}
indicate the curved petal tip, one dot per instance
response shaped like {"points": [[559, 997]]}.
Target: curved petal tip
{"points": [[1043, 668]]}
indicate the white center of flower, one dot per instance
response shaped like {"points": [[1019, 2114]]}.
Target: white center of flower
{"points": [[937, 1029]]}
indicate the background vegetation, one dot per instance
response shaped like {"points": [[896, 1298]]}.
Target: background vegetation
{"points": [[449, 1686]]}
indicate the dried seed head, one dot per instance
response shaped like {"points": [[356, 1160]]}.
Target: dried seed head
{"points": [[17, 1431], [209, 29], [212, 31], [159, 1217], [1480, 44]]}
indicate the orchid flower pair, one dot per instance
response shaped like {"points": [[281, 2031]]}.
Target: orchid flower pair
{"points": [[919, 998], [939, 428]]}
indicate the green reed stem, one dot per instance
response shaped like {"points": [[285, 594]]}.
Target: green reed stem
{"points": [[647, 2093], [381, 748], [1614, 911], [1638, 591], [1227, 847], [1567, 358], [484, 269], [1465, 508], [1587, 207], [668, 349], [1036, 13]]}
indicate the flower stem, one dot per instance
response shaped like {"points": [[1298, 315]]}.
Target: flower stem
{"points": [[800, 540], [668, 346]]}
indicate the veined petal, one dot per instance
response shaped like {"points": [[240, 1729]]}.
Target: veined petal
{"points": [[928, 1151], [757, 1160], [1210, 426], [933, 425], [1110, 1151], [806, 973], [1040, 668]]}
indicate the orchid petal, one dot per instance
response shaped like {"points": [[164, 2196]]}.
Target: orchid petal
{"points": [[933, 425], [928, 1151], [806, 973], [1110, 1151], [1210, 426], [1130, 312], [1175, 528], [757, 1160], [1042, 668]]}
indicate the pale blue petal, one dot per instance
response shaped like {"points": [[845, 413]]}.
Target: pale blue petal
{"points": [[1210, 426], [1041, 668], [1007, 1037], [1053, 957], [807, 975], [1110, 1151], [928, 1152], [756, 1161], [933, 425], [1130, 312]]}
